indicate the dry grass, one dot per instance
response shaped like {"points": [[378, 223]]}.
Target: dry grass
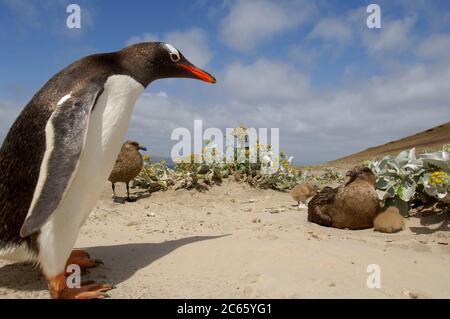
{"points": [[429, 140]]}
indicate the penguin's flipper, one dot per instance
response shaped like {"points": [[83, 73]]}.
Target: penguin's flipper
{"points": [[65, 134]]}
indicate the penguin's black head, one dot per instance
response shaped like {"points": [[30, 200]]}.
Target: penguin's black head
{"points": [[151, 61]]}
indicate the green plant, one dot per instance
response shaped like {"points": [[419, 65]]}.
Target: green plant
{"points": [[437, 184], [406, 177], [155, 176], [446, 148], [211, 167], [286, 177], [329, 175]]}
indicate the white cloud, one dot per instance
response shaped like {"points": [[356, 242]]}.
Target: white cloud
{"points": [[436, 46], [394, 37], [315, 125], [251, 22], [161, 94], [265, 79], [193, 43], [331, 29], [304, 55]]}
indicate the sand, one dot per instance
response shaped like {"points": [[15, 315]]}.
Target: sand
{"points": [[235, 241]]}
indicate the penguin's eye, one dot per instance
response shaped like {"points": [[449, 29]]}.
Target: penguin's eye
{"points": [[174, 54], [174, 57]]}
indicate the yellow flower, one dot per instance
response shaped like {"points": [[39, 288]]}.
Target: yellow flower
{"points": [[439, 178], [146, 157]]}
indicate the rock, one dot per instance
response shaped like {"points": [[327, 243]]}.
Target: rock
{"points": [[132, 223], [410, 294]]}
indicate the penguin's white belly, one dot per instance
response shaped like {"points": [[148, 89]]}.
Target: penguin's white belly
{"points": [[108, 124]]}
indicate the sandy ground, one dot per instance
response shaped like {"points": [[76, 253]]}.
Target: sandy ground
{"points": [[234, 241]]}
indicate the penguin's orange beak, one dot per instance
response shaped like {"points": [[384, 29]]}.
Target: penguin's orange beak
{"points": [[199, 74]]}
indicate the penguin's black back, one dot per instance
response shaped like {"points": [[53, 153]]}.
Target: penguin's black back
{"points": [[23, 149]]}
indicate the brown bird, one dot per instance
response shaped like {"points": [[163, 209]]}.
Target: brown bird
{"points": [[128, 165], [352, 206], [389, 221], [302, 192]]}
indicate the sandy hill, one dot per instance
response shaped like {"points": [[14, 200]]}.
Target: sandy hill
{"points": [[430, 139]]}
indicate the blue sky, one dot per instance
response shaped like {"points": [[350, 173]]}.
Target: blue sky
{"points": [[313, 69]]}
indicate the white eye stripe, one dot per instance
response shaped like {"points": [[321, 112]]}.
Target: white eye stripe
{"points": [[174, 54]]}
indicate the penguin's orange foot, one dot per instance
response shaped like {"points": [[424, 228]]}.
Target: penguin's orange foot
{"points": [[59, 289], [79, 253], [82, 259], [90, 291]]}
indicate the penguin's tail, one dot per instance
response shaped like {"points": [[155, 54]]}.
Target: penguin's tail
{"points": [[18, 253]]}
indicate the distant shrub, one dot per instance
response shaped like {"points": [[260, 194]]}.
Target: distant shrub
{"points": [[210, 167], [330, 175], [154, 176]]}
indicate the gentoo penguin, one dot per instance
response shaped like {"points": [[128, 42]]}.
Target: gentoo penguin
{"points": [[61, 149], [301, 192], [128, 165], [353, 205]]}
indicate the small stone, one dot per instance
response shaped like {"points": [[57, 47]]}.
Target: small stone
{"points": [[410, 294], [332, 284], [274, 211], [132, 223], [251, 200], [147, 207], [256, 220], [152, 215]]}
